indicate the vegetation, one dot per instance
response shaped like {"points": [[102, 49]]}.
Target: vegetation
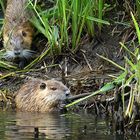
{"points": [[67, 22], [130, 71], [64, 24], [130, 76]]}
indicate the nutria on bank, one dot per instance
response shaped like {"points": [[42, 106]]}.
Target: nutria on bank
{"points": [[18, 32], [37, 95]]}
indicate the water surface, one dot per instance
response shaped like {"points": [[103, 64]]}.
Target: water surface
{"points": [[28, 126]]}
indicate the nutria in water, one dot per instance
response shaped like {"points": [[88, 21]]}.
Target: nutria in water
{"points": [[17, 32], [41, 96]]}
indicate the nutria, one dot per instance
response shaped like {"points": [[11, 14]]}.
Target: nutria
{"points": [[17, 31], [41, 96]]}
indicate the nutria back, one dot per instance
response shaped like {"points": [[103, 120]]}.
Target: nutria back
{"points": [[18, 32], [41, 96]]}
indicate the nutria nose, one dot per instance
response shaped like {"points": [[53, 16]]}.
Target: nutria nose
{"points": [[67, 93], [17, 52]]}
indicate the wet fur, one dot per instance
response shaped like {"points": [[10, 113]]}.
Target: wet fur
{"points": [[18, 32], [33, 97]]}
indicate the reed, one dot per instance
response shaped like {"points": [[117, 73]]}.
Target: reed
{"points": [[67, 22], [138, 7], [134, 64], [2, 4]]}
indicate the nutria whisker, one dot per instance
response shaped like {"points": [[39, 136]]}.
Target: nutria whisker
{"points": [[8, 55], [28, 54]]}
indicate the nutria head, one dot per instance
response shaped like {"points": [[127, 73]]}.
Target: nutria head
{"points": [[17, 31], [42, 96], [18, 42]]}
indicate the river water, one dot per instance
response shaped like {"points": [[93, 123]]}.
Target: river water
{"points": [[30, 126]]}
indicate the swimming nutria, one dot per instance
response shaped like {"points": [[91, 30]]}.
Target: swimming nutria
{"points": [[41, 96], [17, 32]]}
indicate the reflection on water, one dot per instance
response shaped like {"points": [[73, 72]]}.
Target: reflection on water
{"points": [[25, 125]]}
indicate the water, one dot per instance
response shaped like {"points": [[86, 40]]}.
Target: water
{"points": [[22, 126]]}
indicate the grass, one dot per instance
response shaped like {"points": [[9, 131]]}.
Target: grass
{"points": [[2, 4], [1, 19], [3, 64], [66, 22], [138, 7], [130, 72]]}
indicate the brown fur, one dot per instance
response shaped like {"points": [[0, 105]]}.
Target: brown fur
{"points": [[17, 26], [41, 96]]}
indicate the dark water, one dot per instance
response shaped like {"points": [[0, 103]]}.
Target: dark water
{"points": [[22, 126]]}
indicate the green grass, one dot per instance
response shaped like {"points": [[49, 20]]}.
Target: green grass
{"points": [[2, 4], [67, 22], [1, 19], [138, 7], [130, 71], [3, 64]]}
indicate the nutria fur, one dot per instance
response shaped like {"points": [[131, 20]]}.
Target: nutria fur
{"points": [[17, 32], [41, 96]]}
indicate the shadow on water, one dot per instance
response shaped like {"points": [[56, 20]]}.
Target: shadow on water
{"points": [[25, 125]]}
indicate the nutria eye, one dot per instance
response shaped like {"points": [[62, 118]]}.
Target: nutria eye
{"points": [[42, 86], [24, 33], [53, 88]]}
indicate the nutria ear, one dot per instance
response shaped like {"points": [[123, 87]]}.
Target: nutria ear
{"points": [[42, 86]]}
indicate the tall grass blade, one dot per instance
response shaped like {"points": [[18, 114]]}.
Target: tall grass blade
{"points": [[115, 64], [100, 12], [38, 59], [136, 27]]}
